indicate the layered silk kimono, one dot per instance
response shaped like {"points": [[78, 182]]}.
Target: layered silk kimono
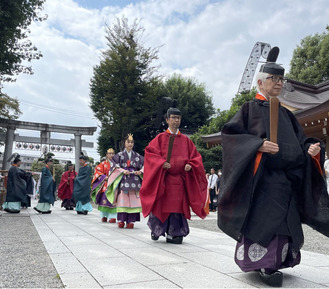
{"points": [[123, 190], [99, 187]]}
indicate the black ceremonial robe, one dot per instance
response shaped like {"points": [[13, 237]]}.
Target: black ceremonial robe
{"points": [[19, 185], [278, 194]]}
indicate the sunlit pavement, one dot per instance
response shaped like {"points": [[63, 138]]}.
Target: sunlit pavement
{"points": [[90, 254]]}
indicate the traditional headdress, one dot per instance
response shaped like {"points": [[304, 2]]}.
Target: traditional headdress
{"points": [[173, 111], [15, 157], [270, 66], [83, 157], [130, 136], [110, 150], [49, 160], [69, 163]]}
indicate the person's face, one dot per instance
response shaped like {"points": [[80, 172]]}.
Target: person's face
{"points": [[19, 164], [129, 144], [271, 86], [70, 168], [109, 156], [174, 122], [82, 162], [49, 164], [212, 171]]}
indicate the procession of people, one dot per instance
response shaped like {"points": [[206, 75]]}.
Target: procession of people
{"points": [[267, 188]]}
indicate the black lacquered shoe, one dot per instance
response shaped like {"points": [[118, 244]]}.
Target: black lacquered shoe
{"points": [[85, 212], [79, 212], [154, 238], [11, 211], [35, 208], [175, 240], [274, 279]]}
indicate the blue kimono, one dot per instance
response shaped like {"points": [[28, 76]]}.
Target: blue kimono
{"points": [[82, 190], [47, 191]]}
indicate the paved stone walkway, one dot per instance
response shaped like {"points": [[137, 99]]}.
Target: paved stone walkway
{"points": [[89, 254]]}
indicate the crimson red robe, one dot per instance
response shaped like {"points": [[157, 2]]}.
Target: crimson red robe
{"points": [[65, 190], [166, 191]]}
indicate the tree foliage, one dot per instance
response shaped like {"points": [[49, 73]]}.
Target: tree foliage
{"points": [[15, 18], [9, 107], [123, 87], [310, 61], [127, 96], [191, 97], [212, 157]]}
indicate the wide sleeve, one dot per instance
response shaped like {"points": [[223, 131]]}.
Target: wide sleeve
{"points": [[196, 182], [239, 154], [63, 184], [313, 203], [240, 148], [153, 186]]}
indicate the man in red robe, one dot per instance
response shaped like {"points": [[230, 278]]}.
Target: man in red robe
{"points": [[174, 181], [65, 188]]}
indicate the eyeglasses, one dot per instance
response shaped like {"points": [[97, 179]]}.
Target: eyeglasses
{"points": [[276, 79], [175, 117]]}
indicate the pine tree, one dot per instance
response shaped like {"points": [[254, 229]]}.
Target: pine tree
{"points": [[123, 87]]}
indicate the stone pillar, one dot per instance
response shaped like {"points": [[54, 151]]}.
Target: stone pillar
{"points": [[45, 142], [8, 146], [77, 140], [45, 137]]}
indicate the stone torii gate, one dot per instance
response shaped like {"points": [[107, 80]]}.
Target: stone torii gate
{"points": [[45, 130]]}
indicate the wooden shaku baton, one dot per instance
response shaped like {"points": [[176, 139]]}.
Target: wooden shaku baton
{"points": [[170, 146], [274, 118]]}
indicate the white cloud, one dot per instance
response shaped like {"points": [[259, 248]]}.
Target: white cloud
{"points": [[208, 40]]}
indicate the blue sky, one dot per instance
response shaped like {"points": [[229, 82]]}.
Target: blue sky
{"points": [[99, 4], [209, 41]]}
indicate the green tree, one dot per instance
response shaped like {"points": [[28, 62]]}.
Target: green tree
{"points": [[191, 98], [310, 61], [9, 107], [212, 157], [105, 141], [123, 87], [15, 47], [15, 17]]}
